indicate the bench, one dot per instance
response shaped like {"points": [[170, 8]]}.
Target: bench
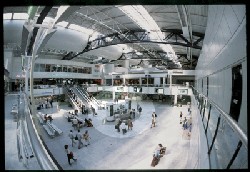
{"points": [[50, 130], [40, 117], [58, 131]]}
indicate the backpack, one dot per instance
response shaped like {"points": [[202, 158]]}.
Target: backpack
{"points": [[155, 115]]}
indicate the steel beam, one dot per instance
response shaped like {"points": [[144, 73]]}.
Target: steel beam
{"points": [[174, 37]]}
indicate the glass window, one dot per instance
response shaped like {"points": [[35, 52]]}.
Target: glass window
{"points": [[53, 68], [75, 69], [214, 114], [69, 69], [241, 161], [87, 70], [59, 68], [80, 70], [205, 119], [225, 145], [36, 68], [42, 67], [65, 69], [47, 69]]}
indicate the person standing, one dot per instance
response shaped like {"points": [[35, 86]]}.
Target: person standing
{"points": [[58, 108], [71, 136], [130, 124], [117, 124], [93, 111], [75, 123], [123, 127], [86, 138], [82, 108]]}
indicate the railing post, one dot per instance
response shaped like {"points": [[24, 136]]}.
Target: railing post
{"points": [[235, 154], [208, 118], [215, 134]]}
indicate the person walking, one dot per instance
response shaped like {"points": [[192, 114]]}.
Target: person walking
{"points": [[185, 123], [75, 123], [71, 136], [83, 108], [181, 117], [130, 124], [69, 153], [79, 136], [139, 110], [153, 119], [123, 127], [51, 102]]}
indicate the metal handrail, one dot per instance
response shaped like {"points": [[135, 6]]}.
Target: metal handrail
{"points": [[43, 158], [229, 119]]}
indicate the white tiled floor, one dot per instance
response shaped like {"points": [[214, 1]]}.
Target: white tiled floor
{"points": [[112, 150]]}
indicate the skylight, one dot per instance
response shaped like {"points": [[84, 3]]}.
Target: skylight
{"points": [[21, 16], [7, 16], [142, 18], [81, 29]]}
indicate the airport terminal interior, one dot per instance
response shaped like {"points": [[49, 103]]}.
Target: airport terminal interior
{"points": [[125, 87]]}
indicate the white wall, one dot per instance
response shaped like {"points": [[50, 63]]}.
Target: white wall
{"points": [[108, 68], [62, 62], [224, 46], [13, 31], [121, 70], [67, 39], [157, 81]]}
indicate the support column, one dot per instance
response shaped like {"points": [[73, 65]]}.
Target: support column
{"points": [[124, 80], [112, 80], [175, 99], [113, 89], [31, 83], [170, 86]]}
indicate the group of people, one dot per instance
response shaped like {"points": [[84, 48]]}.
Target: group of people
{"points": [[186, 123], [82, 139], [45, 104], [123, 125], [47, 118]]}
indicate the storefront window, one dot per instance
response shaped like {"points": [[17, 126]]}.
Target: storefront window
{"points": [[36, 68], [47, 68], [64, 68], [42, 67]]}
